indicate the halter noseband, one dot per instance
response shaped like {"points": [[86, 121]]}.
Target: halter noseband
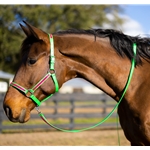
{"points": [[30, 92]]}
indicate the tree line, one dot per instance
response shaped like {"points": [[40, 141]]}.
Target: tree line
{"points": [[49, 18]]}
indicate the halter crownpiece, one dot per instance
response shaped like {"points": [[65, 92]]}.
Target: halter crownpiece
{"points": [[30, 92]]}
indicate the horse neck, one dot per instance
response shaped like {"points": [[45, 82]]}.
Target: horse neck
{"points": [[96, 62]]}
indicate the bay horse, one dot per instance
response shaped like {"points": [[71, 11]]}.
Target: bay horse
{"points": [[100, 56]]}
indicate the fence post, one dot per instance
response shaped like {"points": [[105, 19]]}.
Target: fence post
{"points": [[104, 104], [72, 112], [55, 108], [1, 110], [56, 105]]}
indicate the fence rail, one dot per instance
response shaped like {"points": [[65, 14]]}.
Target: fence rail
{"points": [[68, 111]]}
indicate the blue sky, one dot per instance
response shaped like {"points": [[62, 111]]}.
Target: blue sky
{"points": [[136, 19], [140, 15]]}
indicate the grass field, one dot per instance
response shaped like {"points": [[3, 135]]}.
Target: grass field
{"points": [[55, 138]]}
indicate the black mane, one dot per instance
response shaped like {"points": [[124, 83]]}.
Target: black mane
{"points": [[123, 44]]}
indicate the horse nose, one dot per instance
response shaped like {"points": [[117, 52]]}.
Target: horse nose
{"points": [[16, 117]]}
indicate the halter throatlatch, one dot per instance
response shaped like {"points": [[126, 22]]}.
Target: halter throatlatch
{"points": [[30, 92]]}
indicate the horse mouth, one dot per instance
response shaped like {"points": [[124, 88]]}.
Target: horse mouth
{"points": [[21, 118]]}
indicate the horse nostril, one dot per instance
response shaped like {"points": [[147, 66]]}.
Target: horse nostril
{"points": [[9, 114], [8, 111]]}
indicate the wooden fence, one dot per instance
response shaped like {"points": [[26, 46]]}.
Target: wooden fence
{"points": [[67, 111]]}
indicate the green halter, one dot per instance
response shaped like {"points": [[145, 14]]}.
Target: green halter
{"points": [[30, 92]]}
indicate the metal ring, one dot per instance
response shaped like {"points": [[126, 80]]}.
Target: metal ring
{"points": [[52, 71]]}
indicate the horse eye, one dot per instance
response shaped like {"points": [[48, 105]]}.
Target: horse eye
{"points": [[31, 61]]}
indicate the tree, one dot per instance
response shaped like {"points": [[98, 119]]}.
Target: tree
{"points": [[49, 18]]}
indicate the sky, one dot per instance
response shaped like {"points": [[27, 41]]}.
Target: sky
{"points": [[138, 16]]}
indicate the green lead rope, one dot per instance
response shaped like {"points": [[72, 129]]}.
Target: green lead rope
{"points": [[125, 89]]}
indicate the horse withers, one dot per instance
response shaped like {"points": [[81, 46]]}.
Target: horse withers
{"points": [[100, 56]]}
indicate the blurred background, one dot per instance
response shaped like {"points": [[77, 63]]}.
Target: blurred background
{"points": [[78, 103]]}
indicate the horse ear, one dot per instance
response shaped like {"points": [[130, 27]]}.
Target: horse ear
{"points": [[37, 33], [26, 30]]}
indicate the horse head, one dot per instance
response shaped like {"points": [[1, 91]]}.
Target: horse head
{"points": [[37, 76]]}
